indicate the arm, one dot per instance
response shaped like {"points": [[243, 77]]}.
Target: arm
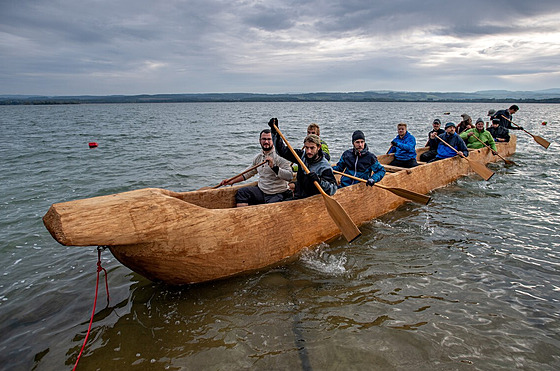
{"points": [[327, 181], [339, 165], [325, 149], [462, 147], [283, 150], [283, 169], [377, 171]]}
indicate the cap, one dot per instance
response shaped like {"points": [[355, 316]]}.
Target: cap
{"points": [[491, 112], [436, 121], [450, 124]]}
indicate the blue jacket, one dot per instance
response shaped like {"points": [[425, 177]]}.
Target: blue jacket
{"points": [[405, 148], [320, 166], [455, 141], [362, 165]]}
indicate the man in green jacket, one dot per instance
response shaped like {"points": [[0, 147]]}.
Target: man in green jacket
{"points": [[479, 132]]}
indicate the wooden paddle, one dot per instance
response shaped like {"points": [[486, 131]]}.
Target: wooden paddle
{"points": [[337, 213], [405, 193], [477, 167], [543, 142], [508, 162], [233, 177]]}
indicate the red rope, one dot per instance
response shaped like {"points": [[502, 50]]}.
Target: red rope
{"points": [[99, 269]]}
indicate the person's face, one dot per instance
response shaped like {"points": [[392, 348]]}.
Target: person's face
{"points": [[401, 130], [480, 125], [311, 149], [359, 144], [511, 111], [436, 126], [312, 131], [266, 141], [495, 124], [450, 129]]}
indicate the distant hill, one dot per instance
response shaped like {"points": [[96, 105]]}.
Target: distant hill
{"points": [[500, 96]]}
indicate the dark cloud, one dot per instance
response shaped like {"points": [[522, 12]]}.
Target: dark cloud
{"points": [[136, 46]]}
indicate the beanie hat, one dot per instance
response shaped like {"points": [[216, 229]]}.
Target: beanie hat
{"points": [[358, 134], [491, 112], [479, 120]]}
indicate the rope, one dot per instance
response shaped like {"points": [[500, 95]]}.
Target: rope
{"points": [[99, 269]]}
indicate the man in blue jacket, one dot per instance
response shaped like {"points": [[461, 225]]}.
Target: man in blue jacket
{"points": [[359, 162], [404, 148], [454, 140]]}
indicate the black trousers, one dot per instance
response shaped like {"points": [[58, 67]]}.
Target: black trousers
{"points": [[253, 195]]}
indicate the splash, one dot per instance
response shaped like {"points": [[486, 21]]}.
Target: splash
{"points": [[321, 261]]}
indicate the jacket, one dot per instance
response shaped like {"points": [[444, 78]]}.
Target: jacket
{"points": [[499, 132], [319, 165], [454, 141], [361, 164], [483, 135], [405, 148]]}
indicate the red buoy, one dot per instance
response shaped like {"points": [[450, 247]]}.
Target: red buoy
{"points": [[544, 122], [92, 144]]}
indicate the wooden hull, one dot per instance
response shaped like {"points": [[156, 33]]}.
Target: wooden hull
{"points": [[191, 237]]}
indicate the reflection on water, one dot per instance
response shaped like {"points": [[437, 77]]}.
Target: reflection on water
{"points": [[470, 281]]}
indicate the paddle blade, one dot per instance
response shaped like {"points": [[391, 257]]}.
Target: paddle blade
{"points": [[341, 218], [543, 142], [481, 169], [412, 196]]}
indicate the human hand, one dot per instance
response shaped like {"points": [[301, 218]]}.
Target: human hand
{"points": [[273, 121], [269, 161], [393, 143], [370, 182], [312, 176]]}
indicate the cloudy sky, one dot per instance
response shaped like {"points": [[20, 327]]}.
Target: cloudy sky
{"points": [[99, 47]]}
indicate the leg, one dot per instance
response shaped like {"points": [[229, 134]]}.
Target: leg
{"points": [[251, 195]]}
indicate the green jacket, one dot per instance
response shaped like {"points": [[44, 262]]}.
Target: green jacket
{"points": [[483, 135]]}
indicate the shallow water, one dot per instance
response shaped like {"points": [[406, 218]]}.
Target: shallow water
{"points": [[469, 282]]}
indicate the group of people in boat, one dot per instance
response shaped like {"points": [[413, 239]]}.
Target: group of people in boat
{"points": [[276, 183]]}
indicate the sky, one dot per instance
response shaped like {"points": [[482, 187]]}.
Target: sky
{"points": [[106, 47]]}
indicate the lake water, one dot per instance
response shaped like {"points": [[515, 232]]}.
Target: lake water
{"points": [[471, 281]]}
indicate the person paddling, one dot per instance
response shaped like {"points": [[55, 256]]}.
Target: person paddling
{"points": [[432, 142], [359, 162], [312, 156], [484, 137], [273, 179], [454, 140], [404, 148]]}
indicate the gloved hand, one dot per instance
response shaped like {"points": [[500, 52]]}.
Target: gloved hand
{"points": [[521, 128], [393, 143], [312, 176], [370, 182], [273, 121], [494, 153]]}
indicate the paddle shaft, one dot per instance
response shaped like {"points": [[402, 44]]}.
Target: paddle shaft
{"points": [[335, 210], [497, 154], [243, 172], [405, 193], [543, 142], [478, 168]]}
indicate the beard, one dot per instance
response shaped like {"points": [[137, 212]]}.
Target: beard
{"points": [[266, 147]]}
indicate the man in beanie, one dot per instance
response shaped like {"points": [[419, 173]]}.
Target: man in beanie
{"points": [[454, 140], [432, 142], [404, 148], [470, 137], [358, 161], [320, 170]]}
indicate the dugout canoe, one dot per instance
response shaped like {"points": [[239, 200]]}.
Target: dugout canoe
{"points": [[191, 237]]}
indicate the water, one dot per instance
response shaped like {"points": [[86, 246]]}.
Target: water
{"points": [[469, 282]]}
